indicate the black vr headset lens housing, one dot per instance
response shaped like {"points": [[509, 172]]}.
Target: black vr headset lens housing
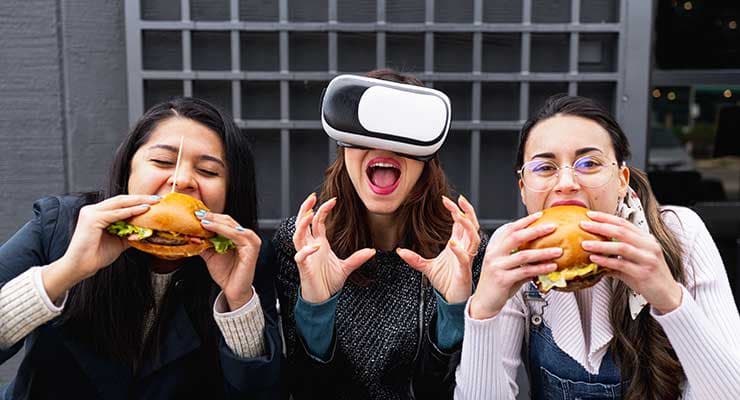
{"points": [[372, 113]]}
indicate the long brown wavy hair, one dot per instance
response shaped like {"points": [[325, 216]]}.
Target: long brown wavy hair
{"points": [[425, 225], [641, 348]]}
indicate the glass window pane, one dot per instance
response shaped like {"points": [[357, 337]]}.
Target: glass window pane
{"points": [[597, 52], [156, 91], [161, 50], [259, 10], [160, 10], [309, 155], [600, 11], [502, 52], [540, 91], [309, 51], [266, 150], [405, 51], [308, 11], [500, 101], [550, 52], [455, 159], [502, 11], [453, 52], [602, 92], [217, 93], [499, 196], [260, 100], [357, 10], [211, 51], [259, 51], [405, 11], [460, 94], [551, 11], [460, 11], [305, 99], [209, 10], [356, 51]]}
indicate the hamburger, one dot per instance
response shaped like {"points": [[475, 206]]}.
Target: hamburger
{"points": [[574, 269], [170, 230]]}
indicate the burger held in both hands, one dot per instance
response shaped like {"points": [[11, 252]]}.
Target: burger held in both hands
{"points": [[600, 291]]}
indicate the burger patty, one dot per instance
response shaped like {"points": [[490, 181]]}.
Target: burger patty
{"points": [[167, 241]]}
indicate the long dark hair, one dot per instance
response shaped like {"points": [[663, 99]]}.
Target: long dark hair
{"points": [[107, 311], [641, 347], [426, 224]]}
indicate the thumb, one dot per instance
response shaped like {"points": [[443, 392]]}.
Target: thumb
{"points": [[414, 260], [358, 258]]}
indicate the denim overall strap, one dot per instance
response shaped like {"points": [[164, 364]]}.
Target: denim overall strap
{"points": [[553, 374]]}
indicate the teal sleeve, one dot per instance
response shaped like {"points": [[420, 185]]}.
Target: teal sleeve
{"points": [[450, 323], [315, 324]]}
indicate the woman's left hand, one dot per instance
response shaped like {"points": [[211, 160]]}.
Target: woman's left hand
{"points": [[451, 272], [635, 257], [233, 271]]}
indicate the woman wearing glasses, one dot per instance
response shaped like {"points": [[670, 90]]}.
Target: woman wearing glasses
{"points": [[372, 284], [599, 342]]}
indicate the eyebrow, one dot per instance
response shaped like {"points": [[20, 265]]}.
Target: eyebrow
{"points": [[579, 152], [173, 149]]}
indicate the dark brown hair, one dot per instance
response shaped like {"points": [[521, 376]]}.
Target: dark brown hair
{"points": [[424, 222], [641, 348]]}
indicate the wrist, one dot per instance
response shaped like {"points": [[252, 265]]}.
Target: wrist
{"points": [[672, 300], [479, 311], [236, 303], [58, 277]]}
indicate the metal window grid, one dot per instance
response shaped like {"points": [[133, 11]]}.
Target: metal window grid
{"points": [[629, 77]]}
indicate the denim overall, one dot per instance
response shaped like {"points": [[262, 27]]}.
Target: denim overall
{"points": [[553, 374]]}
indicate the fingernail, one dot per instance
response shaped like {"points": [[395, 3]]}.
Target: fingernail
{"points": [[240, 228], [200, 213], [587, 224], [155, 197], [463, 198], [144, 205], [538, 214], [205, 221], [316, 246], [549, 226], [556, 251], [592, 213], [587, 244]]}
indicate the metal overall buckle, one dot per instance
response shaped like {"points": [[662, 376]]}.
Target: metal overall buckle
{"points": [[536, 304]]}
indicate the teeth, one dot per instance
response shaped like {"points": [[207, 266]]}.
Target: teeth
{"points": [[383, 165]]}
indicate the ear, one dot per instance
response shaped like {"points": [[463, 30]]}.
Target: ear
{"points": [[624, 181], [521, 192]]}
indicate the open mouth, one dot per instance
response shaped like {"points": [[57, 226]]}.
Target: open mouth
{"points": [[383, 175]]}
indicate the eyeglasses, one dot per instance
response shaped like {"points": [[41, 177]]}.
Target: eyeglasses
{"points": [[418, 158], [590, 171]]}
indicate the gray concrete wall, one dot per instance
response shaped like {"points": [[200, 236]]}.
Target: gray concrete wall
{"points": [[63, 106]]}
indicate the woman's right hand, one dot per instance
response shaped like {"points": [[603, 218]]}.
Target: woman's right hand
{"points": [[91, 247], [322, 273], [505, 269]]}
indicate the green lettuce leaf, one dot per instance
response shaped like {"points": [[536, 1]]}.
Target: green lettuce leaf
{"points": [[124, 229], [221, 244]]}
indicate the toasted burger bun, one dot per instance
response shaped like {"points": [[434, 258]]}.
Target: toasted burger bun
{"points": [[171, 252], [175, 213], [568, 235]]}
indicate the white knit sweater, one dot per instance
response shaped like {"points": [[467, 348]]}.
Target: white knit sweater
{"points": [[703, 330], [25, 305]]}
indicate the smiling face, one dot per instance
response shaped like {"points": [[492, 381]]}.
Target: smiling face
{"points": [[564, 139], [202, 173], [382, 179]]}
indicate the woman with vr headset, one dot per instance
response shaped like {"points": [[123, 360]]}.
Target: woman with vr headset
{"points": [[372, 283]]}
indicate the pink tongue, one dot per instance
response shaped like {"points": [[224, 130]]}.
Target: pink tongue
{"points": [[383, 177]]}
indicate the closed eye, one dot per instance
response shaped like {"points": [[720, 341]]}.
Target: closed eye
{"points": [[161, 162], [208, 172]]}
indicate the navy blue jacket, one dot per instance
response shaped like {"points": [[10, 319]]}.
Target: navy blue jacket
{"points": [[57, 365]]}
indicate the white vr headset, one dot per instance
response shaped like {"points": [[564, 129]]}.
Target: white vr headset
{"points": [[372, 113]]}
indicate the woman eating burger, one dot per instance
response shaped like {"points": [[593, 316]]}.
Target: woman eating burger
{"points": [[136, 293], [647, 313]]}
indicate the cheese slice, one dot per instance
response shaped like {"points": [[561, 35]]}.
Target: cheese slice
{"points": [[560, 278]]}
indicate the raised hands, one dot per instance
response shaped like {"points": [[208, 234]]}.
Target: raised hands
{"points": [[505, 269], [322, 273], [451, 272]]}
